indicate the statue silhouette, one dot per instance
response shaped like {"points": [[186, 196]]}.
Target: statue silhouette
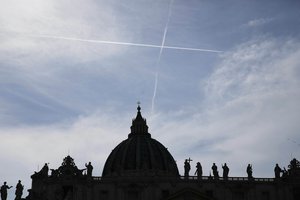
{"points": [[19, 190], [187, 167], [249, 171], [225, 171], [89, 169], [215, 171], [277, 171], [44, 170], [198, 171], [43, 173], [3, 191]]}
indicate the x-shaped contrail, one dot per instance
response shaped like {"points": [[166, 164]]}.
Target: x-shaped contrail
{"points": [[123, 43], [159, 57], [161, 47]]}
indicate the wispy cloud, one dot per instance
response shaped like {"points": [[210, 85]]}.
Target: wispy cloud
{"points": [[83, 19], [239, 106], [247, 110], [259, 22], [86, 139], [247, 117]]}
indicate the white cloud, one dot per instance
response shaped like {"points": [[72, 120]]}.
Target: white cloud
{"points": [[259, 22], [256, 68], [250, 110], [76, 18], [51, 72], [89, 138], [23, 21]]}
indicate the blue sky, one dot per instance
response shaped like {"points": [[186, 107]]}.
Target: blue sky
{"points": [[60, 95]]}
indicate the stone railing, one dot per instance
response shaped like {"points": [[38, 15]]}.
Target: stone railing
{"points": [[206, 178], [210, 178]]}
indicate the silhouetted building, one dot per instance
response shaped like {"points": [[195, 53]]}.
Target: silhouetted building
{"points": [[141, 168]]}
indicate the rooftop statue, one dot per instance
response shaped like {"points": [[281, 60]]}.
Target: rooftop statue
{"points": [[3, 191], [187, 167], [43, 173], [249, 171], [225, 171], [215, 171], [198, 171], [19, 190], [89, 169], [277, 171]]}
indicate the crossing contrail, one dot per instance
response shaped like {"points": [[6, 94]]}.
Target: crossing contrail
{"points": [[123, 43], [161, 47], [159, 57]]}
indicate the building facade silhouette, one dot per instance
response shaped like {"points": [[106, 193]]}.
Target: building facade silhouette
{"points": [[141, 168]]}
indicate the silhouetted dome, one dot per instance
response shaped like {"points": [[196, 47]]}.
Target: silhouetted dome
{"points": [[140, 155]]}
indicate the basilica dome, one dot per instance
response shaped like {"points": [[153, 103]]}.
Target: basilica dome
{"points": [[140, 155]]}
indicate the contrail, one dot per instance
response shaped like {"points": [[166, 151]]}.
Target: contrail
{"points": [[123, 43], [161, 47], [159, 57], [192, 49]]}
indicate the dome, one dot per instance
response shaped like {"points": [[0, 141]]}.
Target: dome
{"points": [[140, 155]]}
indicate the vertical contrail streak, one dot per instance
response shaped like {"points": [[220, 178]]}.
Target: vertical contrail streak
{"points": [[159, 57]]}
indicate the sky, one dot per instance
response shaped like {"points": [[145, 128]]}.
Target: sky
{"points": [[72, 72]]}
